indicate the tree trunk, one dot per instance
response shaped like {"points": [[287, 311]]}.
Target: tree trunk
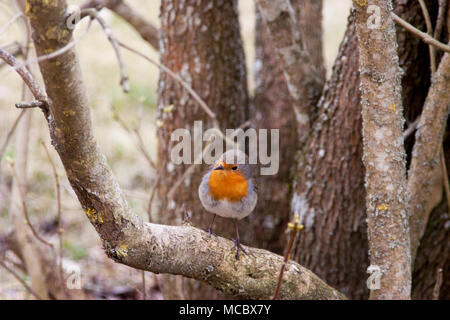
{"points": [[274, 110], [201, 43], [329, 187]]}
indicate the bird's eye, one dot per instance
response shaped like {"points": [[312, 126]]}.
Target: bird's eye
{"points": [[234, 168]]}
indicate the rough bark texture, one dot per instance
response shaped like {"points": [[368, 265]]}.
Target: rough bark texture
{"points": [[309, 19], [426, 152], [201, 42], [126, 238], [433, 254], [384, 153], [329, 192], [303, 79], [273, 109]]}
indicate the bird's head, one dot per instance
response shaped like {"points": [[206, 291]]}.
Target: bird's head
{"points": [[230, 176]]}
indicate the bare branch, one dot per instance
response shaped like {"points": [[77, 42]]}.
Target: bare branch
{"points": [[115, 44], [411, 128], [438, 284], [425, 156], [25, 210], [10, 134], [19, 278], [384, 153], [440, 19], [26, 77], [59, 217], [422, 35], [137, 134], [15, 49], [146, 29], [427, 18], [10, 22], [30, 105], [186, 86]]}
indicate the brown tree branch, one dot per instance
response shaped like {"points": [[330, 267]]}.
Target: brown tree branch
{"points": [[19, 278], [114, 43], [26, 76], [431, 49], [15, 49], [59, 216], [422, 35], [384, 152], [145, 28], [182, 250], [425, 156], [25, 210]]}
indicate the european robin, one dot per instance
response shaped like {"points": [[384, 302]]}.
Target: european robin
{"points": [[228, 190]]}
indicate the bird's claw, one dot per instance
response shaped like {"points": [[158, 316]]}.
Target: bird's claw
{"points": [[238, 247], [210, 233]]}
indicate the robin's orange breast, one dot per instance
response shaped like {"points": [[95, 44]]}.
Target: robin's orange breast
{"points": [[227, 185]]}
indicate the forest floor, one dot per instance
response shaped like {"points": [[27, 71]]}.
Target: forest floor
{"points": [[101, 278]]}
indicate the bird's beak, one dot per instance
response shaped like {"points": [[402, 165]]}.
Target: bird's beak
{"points": [[219, 167]]}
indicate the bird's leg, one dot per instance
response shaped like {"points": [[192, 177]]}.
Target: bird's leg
{"points": [[210, 227], [237, 242]]}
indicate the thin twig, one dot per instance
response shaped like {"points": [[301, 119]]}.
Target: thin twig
{"points": [[15, 275], [440, 19], [422, 35], [140, 143], [26, 76], [59, 219], [144, 293], [10, 134], [152, 196], [294, 227], [445, 174], [56, 53], [10, 22], [24, 207], [438, 284], [177, 78], [411, 128], [30, 105], [145, 28], [427, 18], [115, 44], [185, 85]]}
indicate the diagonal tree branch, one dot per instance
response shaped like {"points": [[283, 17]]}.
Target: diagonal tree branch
{"points": [[126, 238], [384, 152], [146, 29], [425, 156]]}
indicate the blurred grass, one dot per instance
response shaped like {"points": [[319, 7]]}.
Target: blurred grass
{"points": [[101, 75]]}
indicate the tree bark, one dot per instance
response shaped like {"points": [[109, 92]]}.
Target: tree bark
{"points": [[384, 154], [302, 78], [329, 184], [433, 254], [201, 42], [273, 110]]}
